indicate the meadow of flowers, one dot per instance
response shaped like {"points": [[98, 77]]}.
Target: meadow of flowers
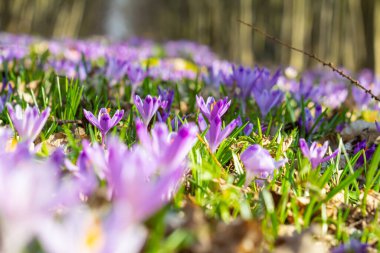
{"points": [[139, 146]]}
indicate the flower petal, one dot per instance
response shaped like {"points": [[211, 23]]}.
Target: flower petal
{"points": [[91, 118]]}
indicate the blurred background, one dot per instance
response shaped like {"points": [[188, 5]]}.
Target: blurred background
{"points": [[345, 32]]}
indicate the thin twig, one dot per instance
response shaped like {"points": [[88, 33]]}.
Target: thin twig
{"points": [[312, 56], [63, 122]]}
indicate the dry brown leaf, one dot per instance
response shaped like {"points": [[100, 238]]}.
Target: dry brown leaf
{"points": [[57, 140], [183, 107], [80, 133], [292, 242], [214, 236], [287, 143], [239, 236], [33, 84], [334, 204], [372, 200]]}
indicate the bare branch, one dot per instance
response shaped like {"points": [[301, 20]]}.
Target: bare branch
{"points": [[314, 57]]}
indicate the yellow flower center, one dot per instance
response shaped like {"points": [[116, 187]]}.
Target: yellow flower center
{"points": [[11, 145], [94, 237], [212, 105]]}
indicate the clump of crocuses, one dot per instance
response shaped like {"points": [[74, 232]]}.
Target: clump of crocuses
{"points": [[259, 163], [316, 152], [104, 122]]}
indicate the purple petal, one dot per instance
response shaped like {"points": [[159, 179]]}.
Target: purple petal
{"points": [[228, 129], [202, 122], [105, 123], [304, 148], [102, 111], [321, 151], [39, 124], [328, 158], [248, 129], [117, 117], [181, 145], [91, 118], [213, 133], [142, 133]]}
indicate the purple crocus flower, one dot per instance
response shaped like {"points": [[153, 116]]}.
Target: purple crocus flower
{"points": [[267, 99], [377, 126], [58, 158], [168, 96], [353, 246], [247, 129], [310, 120], [145, 179], [227, 79], [216, 134], [28, 123], [316, 152], [265, 81], [339, 128], [89, 231], [134, 190], [368, 152], [216, 73], [212, 109], [148, 107], [27, 192], [92, 156], [169, 150], [30, 193], [259, 163], [161, 156], [91, 162], [332, 92], [366, 78], [245, 79], [136, 75], [304, 89], [115, 70], [104, 122]]}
